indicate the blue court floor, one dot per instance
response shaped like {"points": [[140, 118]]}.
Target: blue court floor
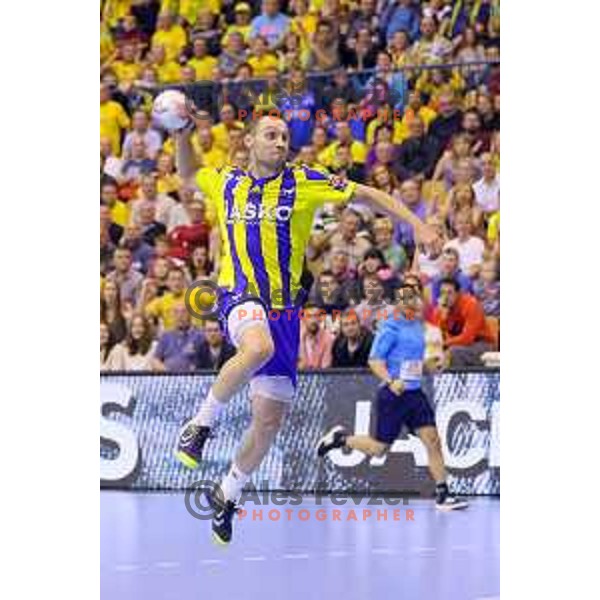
{"points": [[152, 549]]}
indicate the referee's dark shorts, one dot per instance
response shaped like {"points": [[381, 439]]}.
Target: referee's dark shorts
{"points": [[411, 409]]}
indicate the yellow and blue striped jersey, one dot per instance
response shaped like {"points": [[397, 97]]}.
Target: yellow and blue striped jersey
{"points": [[265, 225]]}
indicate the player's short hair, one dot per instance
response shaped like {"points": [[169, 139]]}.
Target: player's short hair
{"points": [[252, 123]]}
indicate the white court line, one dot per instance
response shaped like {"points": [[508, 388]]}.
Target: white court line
{"points": [[462, 548], [338, 553], [293, 556], [488, 598], [383, 551], [127, 568], [254, 558], [167, 564], [211, 561], [421, 549]]}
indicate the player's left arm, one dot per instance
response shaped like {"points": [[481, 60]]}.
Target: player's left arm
{"points": [[323, 188], [382, 202]]}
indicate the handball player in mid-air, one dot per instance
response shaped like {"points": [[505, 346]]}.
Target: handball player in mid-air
{"points": [[264, 217]]}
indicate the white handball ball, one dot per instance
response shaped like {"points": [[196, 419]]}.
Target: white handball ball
{"points": [[169, 111]]}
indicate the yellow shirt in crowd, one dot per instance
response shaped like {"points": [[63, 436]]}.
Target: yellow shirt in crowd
{"points": [[203, 67], [493, 227], [188, 9], [173, 41], [215, 157], [425, 113], [162, 308], [261, 65], [113, 118], [119, 213], [107, 46], [398, 134], [115, 10], [358, 151], [220, 134], [427, 86], [305, 27], [168, 72], [315, 6], [127, 72], [166, 184]]}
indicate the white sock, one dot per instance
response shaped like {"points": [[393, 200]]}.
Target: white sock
{"points": [[209, 409], [233, 483]]}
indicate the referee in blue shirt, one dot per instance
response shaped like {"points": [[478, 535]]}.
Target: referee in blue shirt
{"points": [[398, 358]]}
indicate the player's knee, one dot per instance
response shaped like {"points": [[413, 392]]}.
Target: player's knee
{"points": [[267, 423], [264, 350], [259, 348]]}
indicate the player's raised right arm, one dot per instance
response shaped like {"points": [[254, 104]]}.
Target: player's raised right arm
{"points": [[185, 157]]}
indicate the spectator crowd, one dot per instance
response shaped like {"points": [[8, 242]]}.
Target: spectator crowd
{"points": [[403, 95]]}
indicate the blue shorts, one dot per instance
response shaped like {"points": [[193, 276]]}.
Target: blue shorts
{"points": [[411, 408], [284, 325]]}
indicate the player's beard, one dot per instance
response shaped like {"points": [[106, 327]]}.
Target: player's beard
{"points": [[273, 163], [278, 161]]}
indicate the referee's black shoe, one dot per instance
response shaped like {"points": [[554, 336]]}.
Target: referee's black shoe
{"points": [[334, 438], [445, 501], [222, 521]]}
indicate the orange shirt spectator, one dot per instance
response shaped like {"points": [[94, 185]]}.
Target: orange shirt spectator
{"points": [[464, 323]]}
